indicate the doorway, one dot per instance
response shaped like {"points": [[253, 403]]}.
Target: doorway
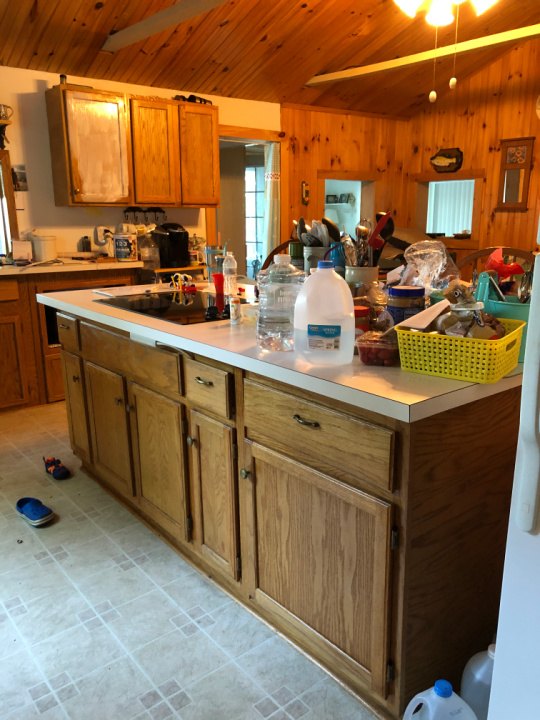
{"points": [[248, 217]]}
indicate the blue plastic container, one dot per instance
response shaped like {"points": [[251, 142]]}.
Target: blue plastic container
{"points": [[511, 308]]}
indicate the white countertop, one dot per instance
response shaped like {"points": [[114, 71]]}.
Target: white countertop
{"points": [[66, 265], [389, 391]]}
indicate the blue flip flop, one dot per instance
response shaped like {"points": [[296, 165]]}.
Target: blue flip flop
{"points": [[34, 511]]}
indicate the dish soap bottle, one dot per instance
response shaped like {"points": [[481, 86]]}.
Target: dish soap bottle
{"points": [[324, 318]]}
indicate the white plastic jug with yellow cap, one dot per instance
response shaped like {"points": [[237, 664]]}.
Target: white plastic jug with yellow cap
{"points": [[438, 703]]}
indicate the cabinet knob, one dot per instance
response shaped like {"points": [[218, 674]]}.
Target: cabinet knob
{"points": [[118, 401], [244, 474], [202, 381], [76, 190], [64, 327], [191, 441], [76, 378], [306, 423]]}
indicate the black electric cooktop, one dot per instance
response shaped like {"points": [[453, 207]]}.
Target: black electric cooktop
{"points": [[184, 308]]}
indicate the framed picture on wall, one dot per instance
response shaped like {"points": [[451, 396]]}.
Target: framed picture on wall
{"points": [[515, 173]]}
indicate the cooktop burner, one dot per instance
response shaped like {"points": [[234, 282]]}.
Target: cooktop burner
{"points": [[184, 308]]}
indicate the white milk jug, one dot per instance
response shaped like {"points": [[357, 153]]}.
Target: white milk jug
{"points": [[438, 703]]}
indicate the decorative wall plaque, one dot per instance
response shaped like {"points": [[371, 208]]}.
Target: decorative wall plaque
{"points": [[447, 160]]}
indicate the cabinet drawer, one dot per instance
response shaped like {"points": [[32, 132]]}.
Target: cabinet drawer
{"points": [[105, 348], [349, 449], [68, 332], [208, 387], [153, 367], [9, 290]]}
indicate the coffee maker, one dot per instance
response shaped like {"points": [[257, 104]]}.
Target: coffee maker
{"points": [[173, 242]]}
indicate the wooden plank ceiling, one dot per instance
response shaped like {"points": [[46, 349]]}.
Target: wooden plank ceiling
{"points": [[257, 49]]}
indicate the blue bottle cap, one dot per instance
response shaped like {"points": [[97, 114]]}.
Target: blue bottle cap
{"points": [[325, 264], [443, 688]]}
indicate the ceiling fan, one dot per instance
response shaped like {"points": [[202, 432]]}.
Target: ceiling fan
{"points": [[173, 15]]}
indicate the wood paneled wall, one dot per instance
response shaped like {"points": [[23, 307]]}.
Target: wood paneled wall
{"points": [[496, 104]]}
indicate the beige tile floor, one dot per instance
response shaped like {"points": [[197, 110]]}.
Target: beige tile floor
{"points": [[101, 620]]}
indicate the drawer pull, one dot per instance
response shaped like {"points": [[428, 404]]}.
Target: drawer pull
{"points": [[64, 327], [191, 441], [306, 423], [76, 378], [201, 381]]}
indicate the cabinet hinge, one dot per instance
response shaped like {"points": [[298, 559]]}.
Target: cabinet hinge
{"points": [[238, 566], [189, 527], [394, 538], [390, 671]]}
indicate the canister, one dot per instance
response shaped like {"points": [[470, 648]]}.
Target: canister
{"points": [[405, 301], [125, 247]]}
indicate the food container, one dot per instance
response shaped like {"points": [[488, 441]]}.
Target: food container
{"points": [[458, 358], [405, 301], [376, 348]]}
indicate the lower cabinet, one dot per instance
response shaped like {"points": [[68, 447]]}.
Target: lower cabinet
{"points": [[214, 488], [109, 427], [159, 459], [73, 374], [321, 554]]}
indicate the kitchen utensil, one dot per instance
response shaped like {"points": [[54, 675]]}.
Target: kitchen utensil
{"points": [[333, 230]]}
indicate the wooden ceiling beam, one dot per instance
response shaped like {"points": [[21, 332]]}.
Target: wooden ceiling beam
{"points": [[462, 47], [173, 15]]}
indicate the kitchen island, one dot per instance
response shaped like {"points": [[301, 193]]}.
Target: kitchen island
{"points": [[360, 510]]}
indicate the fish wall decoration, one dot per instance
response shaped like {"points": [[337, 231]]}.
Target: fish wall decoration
{"points": [[447, 160]]}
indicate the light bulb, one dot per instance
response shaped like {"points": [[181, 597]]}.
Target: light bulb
{"points": [[432, 96], [409, 7], [452, 83], [440, 13]]}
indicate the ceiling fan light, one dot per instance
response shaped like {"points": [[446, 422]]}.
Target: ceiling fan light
{"points": [[440, 13], [480, 6], [409, 7]]}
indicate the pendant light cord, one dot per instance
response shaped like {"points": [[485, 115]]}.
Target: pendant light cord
{"points": [[455, 40], [434, 59]]}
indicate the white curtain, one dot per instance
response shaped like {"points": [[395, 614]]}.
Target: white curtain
{"points": [[450, 206], [272, 186]]}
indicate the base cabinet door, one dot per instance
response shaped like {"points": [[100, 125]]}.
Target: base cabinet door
{"points": [[321, 560], [72, 366], [109, 428], [159, 459], [215, 496]]}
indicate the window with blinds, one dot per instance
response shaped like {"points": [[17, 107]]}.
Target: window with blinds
{"points": [[450, 206]]}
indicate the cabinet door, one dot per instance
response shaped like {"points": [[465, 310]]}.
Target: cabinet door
{"points": [[13, 387], [109, 427], [214, 492], [156, 157], [159, 459], [90, 147], [76, 405], [321, 553], [199, 154]]}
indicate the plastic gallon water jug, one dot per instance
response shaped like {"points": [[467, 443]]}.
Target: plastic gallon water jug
{"points": [[230, 269], [438, 703], [476, 681], [278, 288], [324, 318]]}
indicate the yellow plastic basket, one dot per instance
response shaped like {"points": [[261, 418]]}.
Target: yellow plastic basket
{"points": [[469, 359]]}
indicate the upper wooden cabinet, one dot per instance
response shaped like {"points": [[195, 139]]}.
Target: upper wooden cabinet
{"points": [[156, 153], [90, 147], [175, 152], [199, 154]]}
